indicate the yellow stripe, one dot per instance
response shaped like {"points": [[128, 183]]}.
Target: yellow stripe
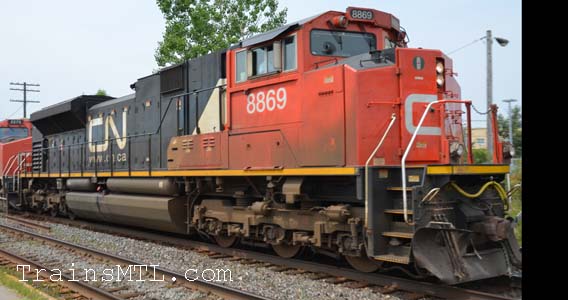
{"points": [[464, 170], [166, 173]]}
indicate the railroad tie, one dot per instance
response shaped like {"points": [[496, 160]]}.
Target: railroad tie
{"points": [[235, 259], [415, 296], [249, 262], [297, 272], [358, 284], [73, 296], [281, 268], [130, 295], [116, 289], [387, 289], [337, 280], [218, 255], [318, 276]]}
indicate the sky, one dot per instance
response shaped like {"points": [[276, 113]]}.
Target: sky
{"points": [[74, 47]]}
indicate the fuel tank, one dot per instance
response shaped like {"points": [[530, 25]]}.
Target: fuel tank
{"points": [[81, 184], [152, 212], [148, 186]]}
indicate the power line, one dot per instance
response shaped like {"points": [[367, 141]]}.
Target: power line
{"points": [[25, 90], [475, 41], [17, 110]]}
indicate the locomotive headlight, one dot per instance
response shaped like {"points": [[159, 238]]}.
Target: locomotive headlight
{"points": [[440, 67], [456, 149], [440, 80]]}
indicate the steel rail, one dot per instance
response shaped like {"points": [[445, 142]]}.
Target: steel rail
{"points": [[26, 222], [81, 287], [217, 289]]}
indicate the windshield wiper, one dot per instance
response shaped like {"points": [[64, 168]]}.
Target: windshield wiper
{"points": [[338, 38]]}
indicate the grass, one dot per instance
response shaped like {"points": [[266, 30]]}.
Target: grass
{"points": [[10, 279], [517, 202], [7, 280]]}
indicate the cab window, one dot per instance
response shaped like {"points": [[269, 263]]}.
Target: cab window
{"points": [[341, 43], [289, 46], [241, 66], [8, 134], [263, 60], [388, 43]]}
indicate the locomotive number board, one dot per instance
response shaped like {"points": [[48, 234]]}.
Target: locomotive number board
{"points": [[360, 14], [15, 122]]}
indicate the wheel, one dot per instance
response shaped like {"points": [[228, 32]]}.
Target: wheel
{"points": [[287, 250], [226, 241], [37, 209], [363, 263], [71, 215], [54, 211]]}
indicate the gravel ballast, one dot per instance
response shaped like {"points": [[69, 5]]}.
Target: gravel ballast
{"points": [[253, 278]]}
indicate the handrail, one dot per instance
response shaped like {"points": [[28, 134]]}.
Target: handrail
{"points": [[403, 162], [393, 118], [128, 138], [18, 170]]}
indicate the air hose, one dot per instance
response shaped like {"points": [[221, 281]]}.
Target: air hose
{"points": [[494, 184]]}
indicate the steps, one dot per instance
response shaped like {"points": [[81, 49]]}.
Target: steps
{"points": [[398, 233], [398, 189], [397, 211], [393, 258]]}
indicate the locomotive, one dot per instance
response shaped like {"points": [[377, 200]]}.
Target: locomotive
{"points": [[15, 135], [327, 133]]}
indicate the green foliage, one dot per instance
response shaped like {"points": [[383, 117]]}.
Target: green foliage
{"points": [[7, 280], [503, 122], [480, 156], [101, 92], [198, 27], [517, 202]]}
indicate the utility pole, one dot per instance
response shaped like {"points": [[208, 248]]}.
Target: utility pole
{"points": [[510, 119], [489, 92], [25, 89]]}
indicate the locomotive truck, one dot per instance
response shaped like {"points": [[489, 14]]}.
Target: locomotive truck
{"points": [[328, 133]]}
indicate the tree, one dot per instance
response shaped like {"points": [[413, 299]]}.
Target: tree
{"points": [[198, 27], [503, 122], [480, 156], [101, 92]]}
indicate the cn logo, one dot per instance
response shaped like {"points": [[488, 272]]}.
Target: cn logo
{"points": [[408, 114], [109, 125]]}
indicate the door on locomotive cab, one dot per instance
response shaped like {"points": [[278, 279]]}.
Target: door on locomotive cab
{"points": [[418, 89], [322, 137]]}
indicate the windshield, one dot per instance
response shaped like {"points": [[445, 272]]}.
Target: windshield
{"points": [[341, 43], [9, 134]]}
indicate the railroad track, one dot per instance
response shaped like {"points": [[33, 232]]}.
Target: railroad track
{"points": [[26, 223], [405, 288], [171, 276], [69, 289]]}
